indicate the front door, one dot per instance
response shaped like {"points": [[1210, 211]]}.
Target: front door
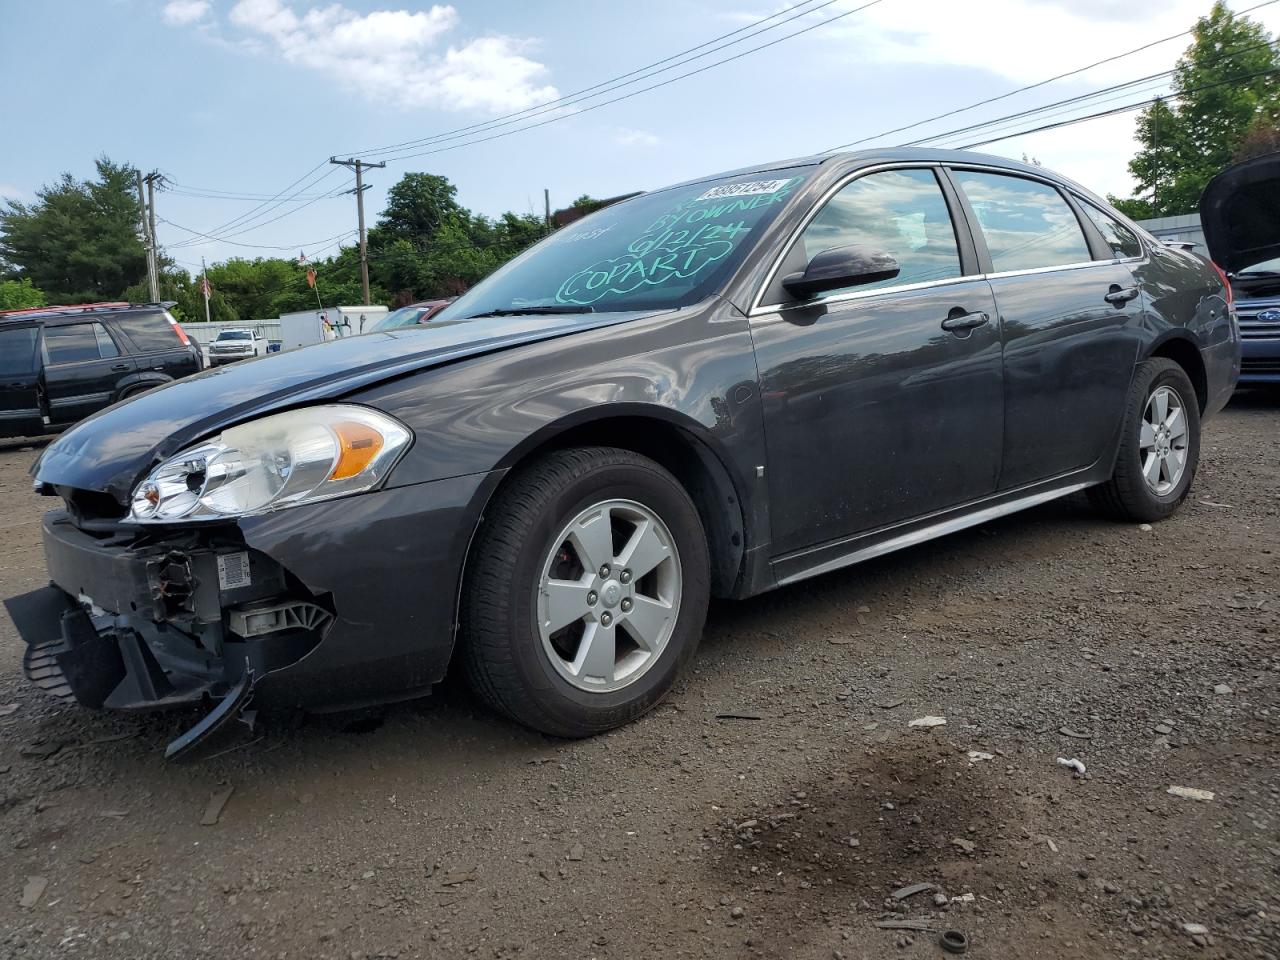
{"points": [[20, 414], [83, 367], [882, 403], [1071, 327]]}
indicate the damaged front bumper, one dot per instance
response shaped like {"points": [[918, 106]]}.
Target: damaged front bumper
{"points": [[331, 605], [135, 623]]}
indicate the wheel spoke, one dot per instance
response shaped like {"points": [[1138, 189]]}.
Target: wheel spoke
{"points": [[1151, 469], [564, 602], [644, 551], [1176, 424], [1147, 438], [1177, 458], [646, 621], [592, 539], [596, 652], [1161, 403]]}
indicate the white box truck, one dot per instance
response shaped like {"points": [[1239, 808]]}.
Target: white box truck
{"points": [[306, 327]]}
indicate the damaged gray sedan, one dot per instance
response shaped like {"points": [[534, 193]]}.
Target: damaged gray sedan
{"points": [[709, 390]]}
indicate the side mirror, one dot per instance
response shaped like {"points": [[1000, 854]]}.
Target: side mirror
{"points": [[840, 267]]}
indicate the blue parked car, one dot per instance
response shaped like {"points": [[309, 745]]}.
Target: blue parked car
{"points": [[1240, 211]]}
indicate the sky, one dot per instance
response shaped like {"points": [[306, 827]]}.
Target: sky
{"points": [[236, 100]]}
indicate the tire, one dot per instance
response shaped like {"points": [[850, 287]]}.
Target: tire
{"points": [[1128, 495], [511, 657]]}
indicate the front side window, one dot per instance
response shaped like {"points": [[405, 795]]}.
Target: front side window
{"points": [[899, 212], [1122, 241], [1027, 224], [662, 250], [17, 351], [77, 343]]}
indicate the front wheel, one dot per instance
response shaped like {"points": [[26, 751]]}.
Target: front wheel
{"points": [[586, 592], [1160, 447]]}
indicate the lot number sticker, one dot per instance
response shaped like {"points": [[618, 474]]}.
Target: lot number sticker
{"points": [[747, 189]]}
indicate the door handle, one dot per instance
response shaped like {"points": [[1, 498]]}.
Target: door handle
{"points": [[957, 319], [1119, 296], [120, 366]]}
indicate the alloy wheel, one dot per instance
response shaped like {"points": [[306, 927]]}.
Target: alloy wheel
{"points": [[609, 595], [1162, 445]]}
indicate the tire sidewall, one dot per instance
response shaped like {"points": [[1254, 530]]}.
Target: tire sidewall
{"points": [[659, 493]]}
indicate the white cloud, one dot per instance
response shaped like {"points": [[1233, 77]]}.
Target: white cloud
{"points": [[391, 55], [628, 137], [180, 13]]}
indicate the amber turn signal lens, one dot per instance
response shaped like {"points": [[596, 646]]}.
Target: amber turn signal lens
{"points": [[358, 444]]}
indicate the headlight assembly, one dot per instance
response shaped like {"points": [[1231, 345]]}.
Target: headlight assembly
{"points": [[316, 453]]}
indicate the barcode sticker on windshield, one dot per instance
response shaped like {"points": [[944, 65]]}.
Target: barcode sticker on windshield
{"points": [[233, 570], [745, 189]]}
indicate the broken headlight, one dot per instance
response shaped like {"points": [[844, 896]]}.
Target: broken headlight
{"points": [[316, 453]]}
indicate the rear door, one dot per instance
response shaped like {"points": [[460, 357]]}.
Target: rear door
{"points": [[1070, 325], [83, 368], [20, 414], [156, 342]]}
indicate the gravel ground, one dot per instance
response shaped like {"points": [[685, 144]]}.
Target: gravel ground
{"points": [[434, 829]]}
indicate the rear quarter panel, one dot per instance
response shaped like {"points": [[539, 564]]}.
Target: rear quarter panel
{"points": [[1184, 296]]}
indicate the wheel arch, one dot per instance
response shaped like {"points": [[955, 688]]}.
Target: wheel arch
{"points": [[1182, 350], [678, 445], [139, 382]]}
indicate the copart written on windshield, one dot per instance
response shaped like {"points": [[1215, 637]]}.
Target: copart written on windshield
{"points": [[678, 245]]}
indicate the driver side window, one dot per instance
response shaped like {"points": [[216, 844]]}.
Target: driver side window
{"points": [[899, 212]]}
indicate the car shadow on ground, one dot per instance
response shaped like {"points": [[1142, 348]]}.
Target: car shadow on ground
{"points": [[19, 444]]}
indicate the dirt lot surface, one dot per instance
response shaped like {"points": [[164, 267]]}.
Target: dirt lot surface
{"points": [[435, 829]]}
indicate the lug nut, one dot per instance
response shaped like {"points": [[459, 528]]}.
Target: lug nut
{"points": [[605, 619], [626, 606], [592, 598], [625, 577], [604, 570]]}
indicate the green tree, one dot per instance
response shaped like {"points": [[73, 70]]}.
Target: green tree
{"points": [[1263, 138], [79, 241], [1224, 85], [417, 206], [20, 294]]}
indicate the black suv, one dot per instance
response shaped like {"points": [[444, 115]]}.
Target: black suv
{"points": [[60, 364]]}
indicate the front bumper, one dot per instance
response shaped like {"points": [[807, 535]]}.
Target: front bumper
{"points": [[1259, 360], [326, 605]]}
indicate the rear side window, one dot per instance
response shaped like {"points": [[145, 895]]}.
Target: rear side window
{"points": [[1027, 224], [147, 331], [899, 212], [17, 351], [1122, 241], [77, 343]]}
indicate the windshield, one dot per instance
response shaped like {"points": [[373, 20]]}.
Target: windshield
{"points": [[658, 251], [404, 317], [1266, 266], [235, 335]]}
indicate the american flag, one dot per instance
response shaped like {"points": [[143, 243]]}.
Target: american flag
{"points": [[205, 288]]}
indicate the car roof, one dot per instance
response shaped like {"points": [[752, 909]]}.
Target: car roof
{"points": [[858, 158], [77, 313]]}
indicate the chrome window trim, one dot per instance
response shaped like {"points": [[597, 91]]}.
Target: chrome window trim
{"points": [[864, 294], [756, 308]]}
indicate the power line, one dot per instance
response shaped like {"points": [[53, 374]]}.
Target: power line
{"points": [[1155, 77], [614, 83], [1032, 86], [270, 204], [257, 246], [635, 93]]}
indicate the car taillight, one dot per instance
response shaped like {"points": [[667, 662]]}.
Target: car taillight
{"points": [[1226, 282], [177, 328]]}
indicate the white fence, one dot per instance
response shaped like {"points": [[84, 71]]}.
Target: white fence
{"points": [[206, 333]]}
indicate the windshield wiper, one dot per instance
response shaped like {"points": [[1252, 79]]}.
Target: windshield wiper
{"points": [[529, 311], [1258, 273]]}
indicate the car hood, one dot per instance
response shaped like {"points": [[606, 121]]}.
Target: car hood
{"points": [[1240, 213], [112, 450]]}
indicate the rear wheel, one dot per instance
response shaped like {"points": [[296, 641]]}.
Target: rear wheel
{"points": [[1160, 448], [587, 591]]}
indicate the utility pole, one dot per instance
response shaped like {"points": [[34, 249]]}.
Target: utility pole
{"points": [[546, 206], [1155, 158], [360, 166], [148, 237]]}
